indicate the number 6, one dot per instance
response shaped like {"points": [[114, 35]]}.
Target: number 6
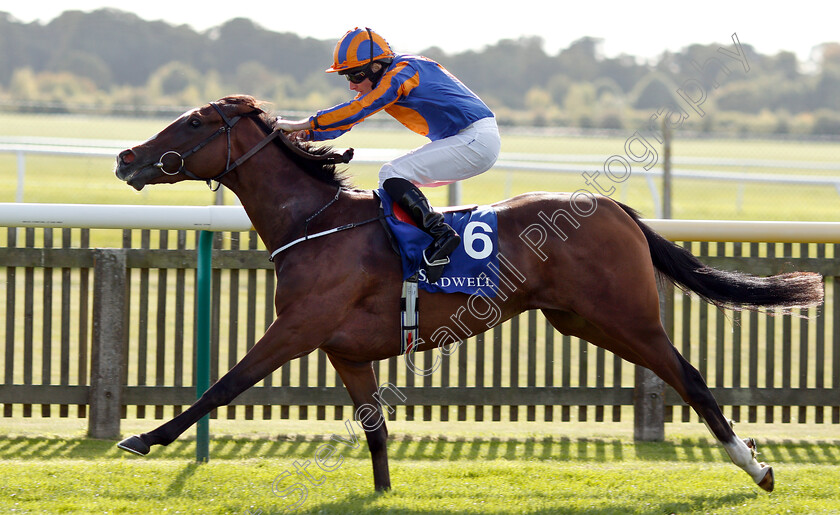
{"points": [[471, 237]]}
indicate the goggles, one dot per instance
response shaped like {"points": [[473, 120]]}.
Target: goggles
{"points": [[357, 76]]}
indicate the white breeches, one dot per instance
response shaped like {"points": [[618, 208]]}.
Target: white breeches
{"points": [[466, 154]]}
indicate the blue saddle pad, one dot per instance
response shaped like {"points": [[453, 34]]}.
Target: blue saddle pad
{"points": [[473, 267]]}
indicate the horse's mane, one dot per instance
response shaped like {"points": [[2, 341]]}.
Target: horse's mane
{"points": [[323, 170]]}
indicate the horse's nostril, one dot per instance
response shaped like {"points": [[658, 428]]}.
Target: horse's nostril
{"points": [[127, 157]]}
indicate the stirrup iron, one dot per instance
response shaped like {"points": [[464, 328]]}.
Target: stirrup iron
{"points": [[438, 262]]}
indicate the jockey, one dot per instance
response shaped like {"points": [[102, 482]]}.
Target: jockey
{"points": [[426, 98]]}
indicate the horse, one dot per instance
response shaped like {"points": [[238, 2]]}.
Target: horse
{"points": [[341, 293]]}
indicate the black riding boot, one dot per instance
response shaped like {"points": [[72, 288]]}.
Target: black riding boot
{"points": [[446, 240]]}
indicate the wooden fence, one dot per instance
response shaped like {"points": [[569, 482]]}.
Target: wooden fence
{"points": [[70, 332]]}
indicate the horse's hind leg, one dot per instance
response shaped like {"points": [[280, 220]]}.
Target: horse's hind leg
{"points": [[693, 390], [652, 349], [360, 381]]}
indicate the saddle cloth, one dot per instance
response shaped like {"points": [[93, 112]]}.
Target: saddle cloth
{"points": [[473, 267]]}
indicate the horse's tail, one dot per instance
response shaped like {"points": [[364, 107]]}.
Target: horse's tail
{"points": [[734, 290]]}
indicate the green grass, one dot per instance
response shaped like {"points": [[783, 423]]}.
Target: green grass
{"points": [[429, 475]]}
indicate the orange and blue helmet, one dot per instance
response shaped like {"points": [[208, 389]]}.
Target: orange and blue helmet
{"points": [[359, 47]]}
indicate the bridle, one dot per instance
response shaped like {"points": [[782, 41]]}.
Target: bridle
{"points": [[229, 167], [331, 157], [229, 123]]}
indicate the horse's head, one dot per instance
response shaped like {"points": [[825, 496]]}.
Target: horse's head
{"points": [[195, 146]]}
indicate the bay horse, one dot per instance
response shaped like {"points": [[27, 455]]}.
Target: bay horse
{"points": [[341, 293]]}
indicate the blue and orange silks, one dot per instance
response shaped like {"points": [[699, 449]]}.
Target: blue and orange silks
{"points": [[357, 48], [418, 92]]}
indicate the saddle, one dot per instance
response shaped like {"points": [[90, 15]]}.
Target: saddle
{"points": [[473, 267]]}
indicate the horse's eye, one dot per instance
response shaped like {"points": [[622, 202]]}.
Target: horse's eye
{"points": [[195, 123]]}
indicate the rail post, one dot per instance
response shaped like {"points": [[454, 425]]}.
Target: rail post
{"points": [[649, 392], [202, 339], [108, 342], [667, 181], [21, 174], [453, 194]]}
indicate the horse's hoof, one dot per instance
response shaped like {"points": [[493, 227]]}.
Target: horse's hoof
{"points": [[768, 482], [135, 445]]}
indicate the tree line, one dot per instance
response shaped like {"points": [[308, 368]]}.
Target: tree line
{"points": [[113, 61]]}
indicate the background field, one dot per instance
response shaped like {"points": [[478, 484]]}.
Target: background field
{"points": [[90, 180]]}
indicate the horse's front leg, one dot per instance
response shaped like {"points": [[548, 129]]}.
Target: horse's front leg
{"points": [[360, 381], [271, 352]]}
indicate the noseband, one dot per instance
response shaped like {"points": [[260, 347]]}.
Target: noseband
{"points": [[229, 167]]}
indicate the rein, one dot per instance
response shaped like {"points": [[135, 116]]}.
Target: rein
{"points": [[307, 236], [229, 123]]}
